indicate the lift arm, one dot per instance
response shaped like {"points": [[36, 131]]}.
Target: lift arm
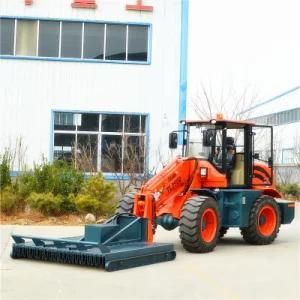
{"points": [[161, 190]]}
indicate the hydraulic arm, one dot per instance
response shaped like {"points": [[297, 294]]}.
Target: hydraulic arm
{"points": [[160, 194]]}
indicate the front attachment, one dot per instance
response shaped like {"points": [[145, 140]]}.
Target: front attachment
{"points": [[120, 243]]}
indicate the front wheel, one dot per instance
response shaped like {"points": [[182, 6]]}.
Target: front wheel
{"points": [[199, 224], [264, 222]]}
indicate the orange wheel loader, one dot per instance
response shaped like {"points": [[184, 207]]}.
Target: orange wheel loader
{"points": [[223, 178]]}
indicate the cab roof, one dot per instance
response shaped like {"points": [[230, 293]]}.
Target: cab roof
{"points": [[221, 122]]}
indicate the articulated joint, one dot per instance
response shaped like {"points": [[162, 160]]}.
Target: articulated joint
{"points": [[167, 221]]}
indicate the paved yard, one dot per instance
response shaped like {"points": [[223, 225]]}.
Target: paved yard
{"points": [[233, 271]]}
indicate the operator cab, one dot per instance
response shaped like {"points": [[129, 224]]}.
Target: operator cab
{"points": [[230, 146]]}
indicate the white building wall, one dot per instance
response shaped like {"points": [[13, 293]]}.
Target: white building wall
{"points": [[30, 89]]}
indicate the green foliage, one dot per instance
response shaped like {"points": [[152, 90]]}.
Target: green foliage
{"points": [[66, 179], [25, 184], [5, 161], [289, 189], [68, 204], [46, 203], [59, 179], [86, 204], [57, 188], [9, 201], [96, 196]]}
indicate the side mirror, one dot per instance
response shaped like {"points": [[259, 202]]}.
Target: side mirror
{"points": [[270, 162], [256, 156], [173, 140], [208, 137]]}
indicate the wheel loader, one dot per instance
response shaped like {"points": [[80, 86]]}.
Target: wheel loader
{"points": [[222, 179]]}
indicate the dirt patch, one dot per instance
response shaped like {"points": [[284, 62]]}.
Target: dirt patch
{"points": [[39, 219]]}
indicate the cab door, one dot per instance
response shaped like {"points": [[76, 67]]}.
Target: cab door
{"points": [[263, 155]]}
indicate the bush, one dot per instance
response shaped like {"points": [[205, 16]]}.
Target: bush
{"points": [[59, 179], [46, 203], [5, 161], [43, 178], [86, 204], [68, 204], [66, 179], [290, 189], [9, 201], [25, 184], [96, 196]]}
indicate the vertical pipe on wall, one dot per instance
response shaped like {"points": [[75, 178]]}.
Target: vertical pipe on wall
{"points": [[183, 65]]}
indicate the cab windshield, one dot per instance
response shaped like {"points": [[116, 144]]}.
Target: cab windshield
{"points": [[195, 145]]}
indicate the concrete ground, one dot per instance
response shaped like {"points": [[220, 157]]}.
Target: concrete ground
{"points": [[234, 270]]}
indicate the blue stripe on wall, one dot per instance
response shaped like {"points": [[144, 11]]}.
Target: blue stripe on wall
{"points": [[183, 64]]}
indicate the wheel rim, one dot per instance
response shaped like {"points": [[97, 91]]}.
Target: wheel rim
{"points": [[209, 225], [267, 220]]}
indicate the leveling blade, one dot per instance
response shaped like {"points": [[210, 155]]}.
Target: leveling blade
{"points": [[121, 243]]}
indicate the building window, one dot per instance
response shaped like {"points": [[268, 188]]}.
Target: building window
{"points": [[116, 42], [64, 144], [26, 41], [111, 143], [71, 36], [93, 41], [49, 39], [137, 43], [7, 29], [74, 40], [111, 153], [112, 123]]}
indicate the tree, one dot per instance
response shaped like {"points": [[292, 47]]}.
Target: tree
{"points": [[85, 157], [233, 105], [127, 162]]}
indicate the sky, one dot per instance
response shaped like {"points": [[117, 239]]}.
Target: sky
{"points": [[236, 45]]}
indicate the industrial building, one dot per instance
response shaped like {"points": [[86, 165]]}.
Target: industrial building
{"points": [[104, 82], [98, 81], [283, 113]]}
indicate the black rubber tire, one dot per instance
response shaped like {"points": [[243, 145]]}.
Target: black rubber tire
{"points": [[190, 224], [222, 231], [126, 204], [251, 234]]}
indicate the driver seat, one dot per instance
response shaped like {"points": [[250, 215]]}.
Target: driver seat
{"points": [[238, 172]]}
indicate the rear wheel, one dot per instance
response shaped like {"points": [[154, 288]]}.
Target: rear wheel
{"points": [[199, 224], [264, 222], [126, 204]]}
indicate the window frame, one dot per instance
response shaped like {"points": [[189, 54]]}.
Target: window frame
{"points": [[81, 59], [100, 134]]}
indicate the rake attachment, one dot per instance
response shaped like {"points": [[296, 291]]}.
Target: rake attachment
{"points": [[120, 243]]}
